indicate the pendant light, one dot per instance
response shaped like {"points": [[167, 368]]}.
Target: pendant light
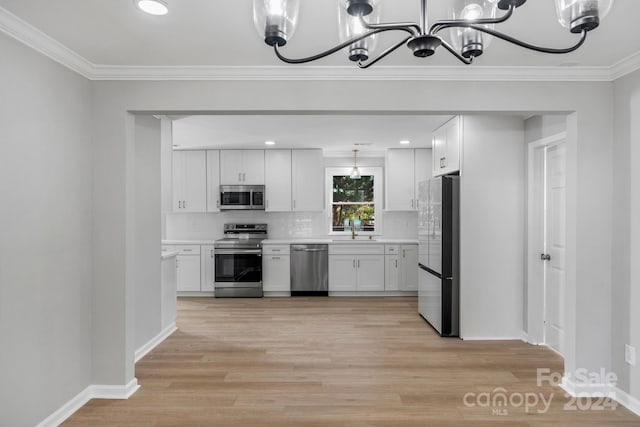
{"points": [[355, 172], [471, 26]]}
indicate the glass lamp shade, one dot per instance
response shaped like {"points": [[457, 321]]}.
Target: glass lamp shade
{"points": [[275, 20], [471, 43], [350, 27], [579, 15]]}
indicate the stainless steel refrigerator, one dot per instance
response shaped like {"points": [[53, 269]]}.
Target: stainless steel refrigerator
{"points": [[438, 255]]}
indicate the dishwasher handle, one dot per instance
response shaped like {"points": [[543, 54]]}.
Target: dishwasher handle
{"points": [[310, 250]]}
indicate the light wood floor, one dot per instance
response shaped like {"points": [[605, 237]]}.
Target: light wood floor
{"points": [[330, 362]]}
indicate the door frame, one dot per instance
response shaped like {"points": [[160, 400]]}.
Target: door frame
{"points": [[535, 292]]}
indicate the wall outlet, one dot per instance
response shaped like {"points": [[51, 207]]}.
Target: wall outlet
{"points": [[630, 354]]}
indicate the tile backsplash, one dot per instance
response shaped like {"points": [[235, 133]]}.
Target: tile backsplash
{"points": [[282, 225]]}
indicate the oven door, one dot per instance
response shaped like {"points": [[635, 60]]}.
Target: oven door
{"points": [[238, 268]]}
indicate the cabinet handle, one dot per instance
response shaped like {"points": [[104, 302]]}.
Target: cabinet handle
{"points": [[275, 257], [404, 255], [211, 253], [358, 263], [217, 203], [275, 250], [412, 202], [294, 204], [184, 204], [188, 250], [244, 177], [443, 162], [396, 263], [239, 177], [354, 263]]}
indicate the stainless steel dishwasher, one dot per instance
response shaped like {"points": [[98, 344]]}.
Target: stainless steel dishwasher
{"points": [[309, 270]]}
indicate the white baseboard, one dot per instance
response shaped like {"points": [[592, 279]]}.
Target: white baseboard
{"points": [[491, 338], [599, 390], [115, 391], [373, 294], [153, 342], [628, 401], [81, 399]]}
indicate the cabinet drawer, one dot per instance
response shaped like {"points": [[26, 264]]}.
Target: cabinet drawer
{"points": [[391, 249], [168, 248], [356, 249], [275, 250], [188, 249]]}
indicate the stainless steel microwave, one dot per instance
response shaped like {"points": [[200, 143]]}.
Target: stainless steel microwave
{"points": [[241, 197]]}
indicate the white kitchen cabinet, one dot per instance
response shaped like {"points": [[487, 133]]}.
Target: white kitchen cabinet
{"points": [[245, 167], [446, 147], [343, 273], [409, 268], [405, 168], [400, 182], [277, 177], [188, 267], [207, 268], [213, 181], [391, 272], [168, 284], [357, 267], [307, 180], [401, 268], [423, 165], [276, 276], [189, 176]]}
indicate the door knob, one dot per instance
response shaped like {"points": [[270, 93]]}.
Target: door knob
{"points": [[545, 257]]}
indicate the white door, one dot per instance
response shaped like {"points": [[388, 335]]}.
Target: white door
{"points": [[307, 180], [409, 281], [276, 273], [188, 273], [207, 268], [342, 273], [400, 180], [230, 167], [555, 246], [253, 167], [391, 272]]}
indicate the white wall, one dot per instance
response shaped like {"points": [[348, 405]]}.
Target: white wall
{"points": [[589, 130], [148, 289], [492, 195], [625, 327], [45, 235]]}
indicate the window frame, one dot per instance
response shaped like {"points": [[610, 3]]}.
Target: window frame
{"points": [[374, 171]]}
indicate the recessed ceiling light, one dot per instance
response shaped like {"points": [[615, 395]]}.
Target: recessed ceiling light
{"points": [[405, 142], [269, 143], [153, 7]]}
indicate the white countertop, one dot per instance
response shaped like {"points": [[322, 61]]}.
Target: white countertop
{"points": [[312, 241], [188, 242], [168, 254], [307, 241]]}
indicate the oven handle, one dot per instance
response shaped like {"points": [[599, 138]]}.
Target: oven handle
{"points": [[237, 251]]}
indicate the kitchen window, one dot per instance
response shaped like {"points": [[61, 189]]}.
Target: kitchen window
{"points": [[354, 202]]}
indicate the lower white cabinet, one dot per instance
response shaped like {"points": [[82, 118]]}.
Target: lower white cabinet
{"points": [[207, 268], [351, 270], [276, 268], [188, 266], [401, 268]]}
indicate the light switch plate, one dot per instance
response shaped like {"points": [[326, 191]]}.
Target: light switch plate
{"points": [[630, 354]]}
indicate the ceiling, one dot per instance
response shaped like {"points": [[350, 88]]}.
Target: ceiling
{"points": [[221, 33], [336, 134]]}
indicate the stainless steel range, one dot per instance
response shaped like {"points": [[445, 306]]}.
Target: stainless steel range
{"points": [[238, 261]]}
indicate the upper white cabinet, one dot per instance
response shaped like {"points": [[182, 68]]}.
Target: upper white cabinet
{"points": [[277, 177], [189, 181], [400, 180], [213, 181], [405, 168], [446, 147], [307, 180], [245, 167]]}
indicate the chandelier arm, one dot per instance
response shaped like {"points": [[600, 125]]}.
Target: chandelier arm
{"points": [[525, 45], [410, 27], [335, 49], [441, 25], [368, 64], [447, 46]]}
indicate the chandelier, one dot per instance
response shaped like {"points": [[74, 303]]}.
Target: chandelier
{"points": [[471, 26]]}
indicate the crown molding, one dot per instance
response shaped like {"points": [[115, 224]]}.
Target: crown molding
{"points": [[626, 66], [27, 34], [22, 31]]}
